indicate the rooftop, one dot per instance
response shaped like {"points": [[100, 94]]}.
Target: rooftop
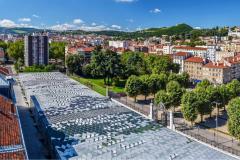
{"points": [[190, 48], [11, 146], [85, 125], [195, 60], [182, 54], [215, 65]]}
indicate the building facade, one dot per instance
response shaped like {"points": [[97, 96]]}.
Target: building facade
{"points": [[119, 44], [36, 50], [217, 73], [179, 58], [194, 51], [193, 66]]}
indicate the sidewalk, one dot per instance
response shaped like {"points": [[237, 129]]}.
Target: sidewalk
{"points": [[34, 146]]}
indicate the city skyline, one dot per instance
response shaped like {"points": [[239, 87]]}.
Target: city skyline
{"points": [[126, 15]]}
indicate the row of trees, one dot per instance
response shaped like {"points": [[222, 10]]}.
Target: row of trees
{"points": [[151, 84], [110, 65], [202, 100], [206, 97]]}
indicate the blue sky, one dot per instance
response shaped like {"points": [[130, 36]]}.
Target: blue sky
{"points": [[118, 14]]}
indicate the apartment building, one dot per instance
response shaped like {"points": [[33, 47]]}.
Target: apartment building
{"points": [[119, 44], [193, 66], [234, 64], [216, 73], [167, 49], [220, 55], [231, 47], [179, 58], [194, 51], [36, 50]]}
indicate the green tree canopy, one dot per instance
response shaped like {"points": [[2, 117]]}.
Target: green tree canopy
{"points": [[175, 92], [224, 95], [145, 87], [106, 63], [75, 63], [156, 83], [203, 84], [163, 97], [133, 86], [134, 63], [204, 105], [233, 111], [16, 50], [234, 88], [57, 50], [189, 106]]}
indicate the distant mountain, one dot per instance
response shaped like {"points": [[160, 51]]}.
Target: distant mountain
{"points": [[180, 30], [174, 30], [18, 30]]}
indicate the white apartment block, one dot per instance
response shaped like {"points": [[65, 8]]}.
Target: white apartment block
{"points": [[119, 44]]}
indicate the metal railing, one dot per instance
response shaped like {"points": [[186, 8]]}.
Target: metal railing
{"points": [[188, 131], [124, 100]]}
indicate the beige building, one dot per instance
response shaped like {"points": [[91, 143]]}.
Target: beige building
{"points": [[216, 73], [232, 47], [220, 55], [193, 66]]}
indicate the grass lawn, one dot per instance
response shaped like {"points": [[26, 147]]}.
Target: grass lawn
{"points": [[97, 85]]}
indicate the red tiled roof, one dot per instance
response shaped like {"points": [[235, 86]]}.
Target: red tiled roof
{"points": [[190, 48], [233, 60], [181, 54], [10, 134], [88, 49], [13, 155], [195, 60], [216, 65]]}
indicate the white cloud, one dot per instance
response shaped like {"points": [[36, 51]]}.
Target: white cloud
{"points": [[78, 21], [7, 23], [24, 25], [35, 16], [114, 26], [93, 24], [24, 19], [156, 10], [197, 28], [94, 28], [63, 27], [125, 1]]}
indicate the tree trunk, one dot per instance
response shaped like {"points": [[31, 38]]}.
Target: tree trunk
{"points": [[201, 118], [145, 97], [104, 80], [135, 99]]}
